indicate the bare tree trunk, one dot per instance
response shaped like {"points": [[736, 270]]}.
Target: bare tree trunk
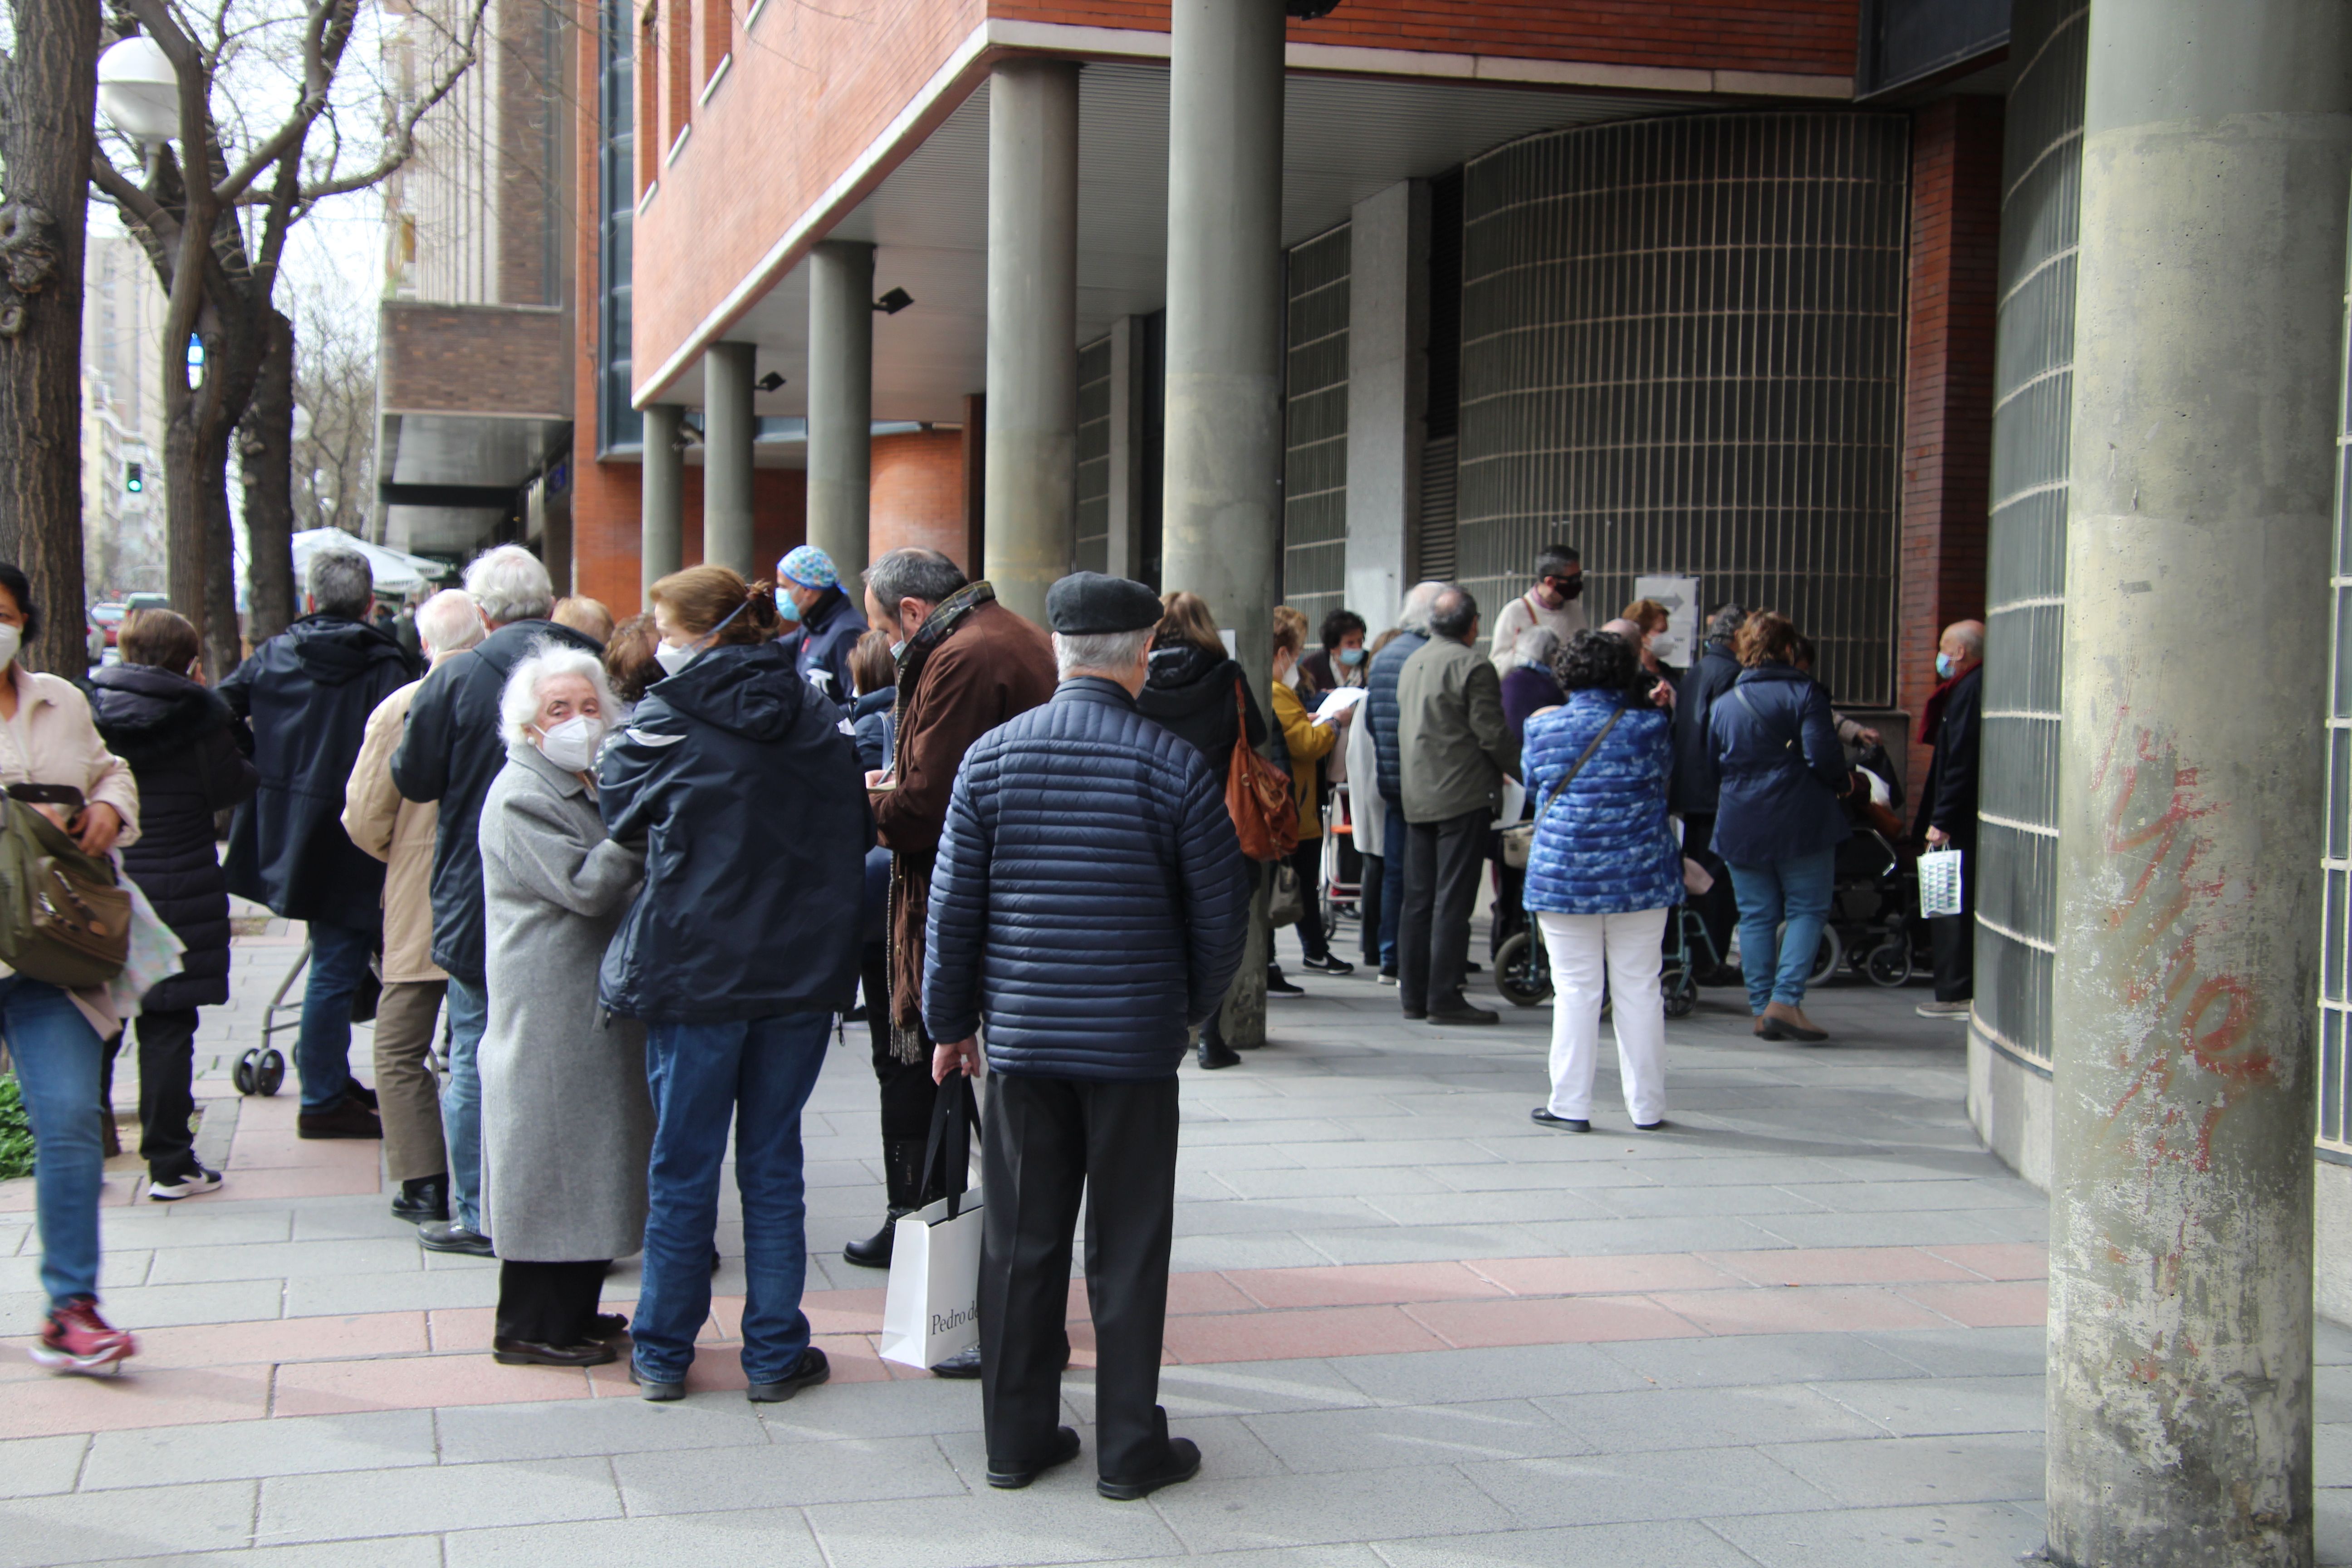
{"points": [[203, 579], [264, 454], [47, 115]]}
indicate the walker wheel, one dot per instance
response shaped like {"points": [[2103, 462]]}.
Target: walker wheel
{"points": [[1522, 970], [1682, 993], [242, 1074], [270, 1072]]}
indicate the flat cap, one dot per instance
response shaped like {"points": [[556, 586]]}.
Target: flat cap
{"points": [[1087, 604]]}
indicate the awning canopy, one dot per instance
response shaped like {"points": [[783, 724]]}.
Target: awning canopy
{"points": [[397, 572]]}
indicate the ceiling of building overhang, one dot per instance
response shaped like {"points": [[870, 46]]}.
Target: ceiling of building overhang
{"points": [[469, 449], [1344, 139]]}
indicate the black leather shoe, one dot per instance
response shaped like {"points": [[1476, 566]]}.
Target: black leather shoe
{"points": [[654, 1391], [348, 1118], [1275, 986], [1065, 1450], [812, 1370], [963, 1367], [1215, 1054], [527, 1352], [607, 1326], [1463, 1013], [422, 1198], [1415, 1014], [1182, 1463], [448, 1236], [874, 1251], [361, 1093], [1543, 1117]]}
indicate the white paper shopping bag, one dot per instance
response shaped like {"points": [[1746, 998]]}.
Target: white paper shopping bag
{"points": [[932, 1310], [1939, 883]]}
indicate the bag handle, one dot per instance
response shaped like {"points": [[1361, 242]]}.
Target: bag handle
{"points": [[954, 1114], [1757, 714], [1570, 777]]}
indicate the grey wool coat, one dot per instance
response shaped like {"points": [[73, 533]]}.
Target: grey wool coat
{"points": [[567, 1124]]}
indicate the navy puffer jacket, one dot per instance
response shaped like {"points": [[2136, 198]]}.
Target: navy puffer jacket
{"points": [[1781, 767], [1090, 899], [1381, 711], [741, 783], [1603, 846], [829, 630]]}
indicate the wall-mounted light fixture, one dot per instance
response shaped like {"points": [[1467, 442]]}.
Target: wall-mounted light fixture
{"points": [[896, 300], [769, 382]]}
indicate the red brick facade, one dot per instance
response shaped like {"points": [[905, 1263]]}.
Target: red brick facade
{"points": [[917, 495], [1948, 401]]}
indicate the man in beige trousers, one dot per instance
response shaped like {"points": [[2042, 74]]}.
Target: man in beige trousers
{"points": [[400, 833]]}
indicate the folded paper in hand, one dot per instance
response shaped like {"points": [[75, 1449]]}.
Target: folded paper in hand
{"points": [[1338, 700]]}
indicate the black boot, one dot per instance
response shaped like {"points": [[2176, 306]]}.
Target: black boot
{"points": [[902, 1178], [422, 1198], [1214, 1052]]}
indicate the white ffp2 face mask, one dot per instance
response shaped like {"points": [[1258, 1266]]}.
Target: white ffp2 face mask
{"points": [[572, 745], [672, 659], [12, 638]]}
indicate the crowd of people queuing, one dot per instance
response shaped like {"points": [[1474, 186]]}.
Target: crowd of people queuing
{"points": [[641, 868]]}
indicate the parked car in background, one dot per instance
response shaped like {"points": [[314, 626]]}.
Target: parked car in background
{"points": [[145, 602], [109, 618]]}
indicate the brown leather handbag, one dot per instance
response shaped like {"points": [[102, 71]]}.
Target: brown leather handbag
{"points": [[1257, 795]]}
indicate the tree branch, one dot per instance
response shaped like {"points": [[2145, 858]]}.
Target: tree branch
{"points": [[324, 33], [403, 138]]}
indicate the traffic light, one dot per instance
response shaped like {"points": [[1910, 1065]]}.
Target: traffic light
{"points": [[134, 478]]}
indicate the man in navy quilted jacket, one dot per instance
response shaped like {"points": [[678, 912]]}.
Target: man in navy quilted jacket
{"points": [[1087, 909]]}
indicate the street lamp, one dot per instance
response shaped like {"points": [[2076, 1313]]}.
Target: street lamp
{"points": [[138, 90]]}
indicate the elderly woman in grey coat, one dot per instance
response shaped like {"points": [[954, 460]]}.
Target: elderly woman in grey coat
{"points": [[567, 1124]]}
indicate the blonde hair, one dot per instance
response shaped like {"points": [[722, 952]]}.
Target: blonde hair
{"points": [[1766, 636], [1649, 615], [1185, 619], [1289, 631], [587, 616]]}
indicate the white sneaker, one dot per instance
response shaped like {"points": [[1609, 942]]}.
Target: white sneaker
{"points": [[193, 1186]]}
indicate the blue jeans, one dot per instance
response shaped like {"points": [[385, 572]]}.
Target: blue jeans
{"points": [[1393, 833], [57, 1056], [323, 1049], [461, 1102], [1796, 889], [759, 1073]]}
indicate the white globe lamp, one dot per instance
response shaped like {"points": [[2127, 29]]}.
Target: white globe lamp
{"points": [[138, 91]]}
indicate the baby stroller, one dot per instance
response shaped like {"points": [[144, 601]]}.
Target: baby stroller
{"points": [[1523, 968]]}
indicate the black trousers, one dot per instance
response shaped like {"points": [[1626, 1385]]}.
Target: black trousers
{"points": [[1046, 1138], [167, 1100], [1951, 938], [1443, 862], [1367, 907], [548, 1303], [1307, 862], [907, 1088]]}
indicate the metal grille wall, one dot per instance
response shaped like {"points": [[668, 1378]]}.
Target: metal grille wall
{"points": [[1091, 552], [1315, 428], [2026, 593], [2334, 1138], [1682, 351]]}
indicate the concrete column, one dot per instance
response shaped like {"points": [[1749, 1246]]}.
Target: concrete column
{"points": [[2216, 157], [661, 496], [1032, 480], [727, 431], [1222, 495], [1125, 548], [841, 401], [1388, 394]]}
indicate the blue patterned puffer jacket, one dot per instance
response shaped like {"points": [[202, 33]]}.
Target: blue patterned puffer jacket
{"points": [[1603, 847]]}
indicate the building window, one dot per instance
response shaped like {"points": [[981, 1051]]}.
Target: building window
{"points": [[648, 59], [1315, 426], [717, 35], [678, 72], [619, 427]]}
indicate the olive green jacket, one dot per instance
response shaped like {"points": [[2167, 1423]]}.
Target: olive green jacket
{"points": [[1453, 747]]}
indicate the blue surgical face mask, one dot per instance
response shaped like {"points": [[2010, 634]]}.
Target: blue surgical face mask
{"points": [[786, 606], [1944, 665], [1351, 657]]}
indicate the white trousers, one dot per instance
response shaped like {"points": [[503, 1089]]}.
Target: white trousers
{"points": [[1628, 944]]}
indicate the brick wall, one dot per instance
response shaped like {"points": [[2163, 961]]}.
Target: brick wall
{"points": [[918, 493], [473, 359], [1948, 404], [604, 527]]}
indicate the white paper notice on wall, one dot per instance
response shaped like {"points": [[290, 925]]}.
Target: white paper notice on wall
{"points": [[1678, 643]]}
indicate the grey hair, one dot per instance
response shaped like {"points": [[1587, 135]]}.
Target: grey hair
{"points": [[510, 583], [1413, 616], [1727, 619], [1538, 646], [518, 703], [448, 623], [341, 583], [1555, 560], [910, 572], [1098, 653], [1453, 614]]}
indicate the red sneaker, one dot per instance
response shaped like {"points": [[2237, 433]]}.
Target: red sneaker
{"points": [[76, 1339]]}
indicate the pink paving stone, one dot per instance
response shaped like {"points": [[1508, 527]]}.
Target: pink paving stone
{"points": [[857, 1312], [715, 1366], [1603, 1276], [1837, 1266], [283, 1152], [121, 1188], [2009, 1304], [1813, 1308], [150, 1396], [1284, 1336], [1999, 1259], [312, 1181], [285, 1339], [418, 1383], [1361, 1284], [1561, 1321], [462, 1327]]}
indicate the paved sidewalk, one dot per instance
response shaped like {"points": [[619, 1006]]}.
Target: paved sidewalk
{"points": [[1410, 1330]]}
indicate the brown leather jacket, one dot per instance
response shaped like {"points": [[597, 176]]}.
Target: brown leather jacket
{"points": [[972, 665]]}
